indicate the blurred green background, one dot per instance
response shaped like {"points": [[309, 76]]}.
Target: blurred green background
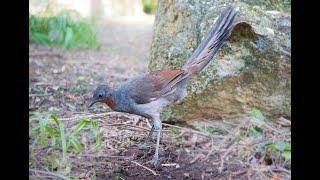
{"points": [[73, 23]]}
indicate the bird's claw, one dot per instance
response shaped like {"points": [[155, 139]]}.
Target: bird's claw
{"points": [[154, 161]]}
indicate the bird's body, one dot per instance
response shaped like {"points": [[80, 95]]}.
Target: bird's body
{"points": [[147, 94]]}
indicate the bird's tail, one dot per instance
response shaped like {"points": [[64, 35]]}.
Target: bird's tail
{"points": [[211, 43]]}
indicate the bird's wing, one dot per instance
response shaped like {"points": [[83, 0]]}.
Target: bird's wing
{"points": [[154, 85]]}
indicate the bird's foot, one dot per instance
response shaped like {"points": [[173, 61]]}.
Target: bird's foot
{"points": [[154, 161]]}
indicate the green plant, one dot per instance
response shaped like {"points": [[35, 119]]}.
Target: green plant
{"points": [[279, 148], [210, 130], [59, 132], [173, 130], [256, 113], [283, 148], [61, 30], [94, 175], [149, 6]]}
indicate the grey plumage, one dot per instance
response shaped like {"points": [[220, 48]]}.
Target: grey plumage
{"points": [[147, 94]]}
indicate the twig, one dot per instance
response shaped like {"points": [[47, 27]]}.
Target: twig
{"points": [[194, 131], [154, 173], [259, 141], [197, 157], [81, 117], [179, 135], [167, 165], [35, 160], [263, 124], [41, 177], [49, 173], [283, 121], [280, 169], [39, 95], [232, 132], [211, 150], [123, 124], [46, 54], [102, 156], [223, 156]]}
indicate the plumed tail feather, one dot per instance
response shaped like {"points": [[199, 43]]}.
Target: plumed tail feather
{"points": [[212, 42]]}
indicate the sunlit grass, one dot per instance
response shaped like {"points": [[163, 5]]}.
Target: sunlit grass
{"points": [[62, 30]]}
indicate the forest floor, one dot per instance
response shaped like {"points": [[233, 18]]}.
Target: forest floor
{"points": [[61, 82]]}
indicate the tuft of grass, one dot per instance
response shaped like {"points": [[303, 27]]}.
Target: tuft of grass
{"points": [[58, 132], [149, 6], [62, 31]]}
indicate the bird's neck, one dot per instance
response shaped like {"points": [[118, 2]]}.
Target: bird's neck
{"points": [[111, 100]]}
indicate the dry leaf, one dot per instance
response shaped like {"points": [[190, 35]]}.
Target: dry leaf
{"points": [[276, 176], [71, 96]]}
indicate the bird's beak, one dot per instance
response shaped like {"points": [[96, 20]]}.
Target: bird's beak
{"points": [[91, 102]]}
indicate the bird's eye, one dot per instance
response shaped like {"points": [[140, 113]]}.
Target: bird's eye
{"points": [[100, 95]]}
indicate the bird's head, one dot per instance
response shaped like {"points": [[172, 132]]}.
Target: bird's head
{"points": [[101, 94]]}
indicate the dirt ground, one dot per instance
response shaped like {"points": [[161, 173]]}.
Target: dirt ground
{"points": [[61, 81]]}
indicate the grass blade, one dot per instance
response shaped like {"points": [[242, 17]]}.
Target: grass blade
{"points": [[46, 119], [34, 143], [68, 38], [96, 131], [33, 130], [63, 140], [53, 137], [81, 125], [55, 119], [76, 143], [42, 127]]}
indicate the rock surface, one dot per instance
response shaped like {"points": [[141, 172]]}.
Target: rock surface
{"points": [[252, 70]]}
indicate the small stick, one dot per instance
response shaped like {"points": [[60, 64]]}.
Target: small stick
{"points": [[167, 165], [281, 169], [82, 117], [39, 95], [194, 131], [35, 160], [263, 124], [224, 155], [102, 156], [179, 135], [154, 173], [50, 173], [258, 141], [122, 124]]}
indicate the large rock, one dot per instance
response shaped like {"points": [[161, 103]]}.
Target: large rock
{"points": [[252, 70]]}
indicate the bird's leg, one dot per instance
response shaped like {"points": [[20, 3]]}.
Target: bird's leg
{"points": [[158, 126], [144, 145]]}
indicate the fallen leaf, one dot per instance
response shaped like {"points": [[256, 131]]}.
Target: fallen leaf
{"points": [[276, 176], [71, 96], [186, 174]]}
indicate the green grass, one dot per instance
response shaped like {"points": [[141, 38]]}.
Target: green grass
{"points": [[57, 133], [277, 148], [149, 6], [62, 31], [59, 141]]}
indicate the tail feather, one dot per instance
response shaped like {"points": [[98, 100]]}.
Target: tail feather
{"points": [[212, 42]]}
